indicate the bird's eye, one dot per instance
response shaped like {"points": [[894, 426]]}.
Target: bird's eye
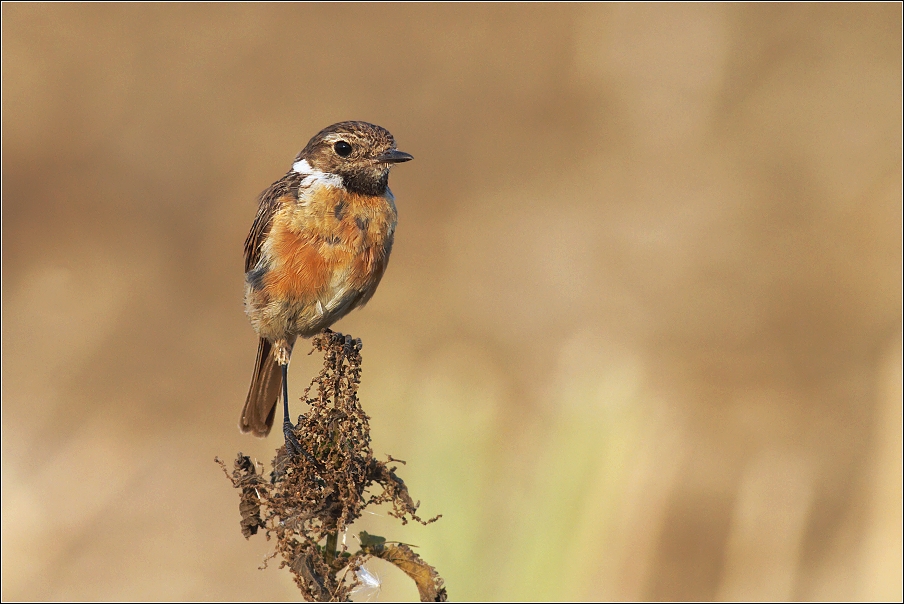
{"points": [[343, 149]]}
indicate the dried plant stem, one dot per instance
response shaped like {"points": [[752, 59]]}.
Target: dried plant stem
{"points": [[329, 550], [310, 499]]}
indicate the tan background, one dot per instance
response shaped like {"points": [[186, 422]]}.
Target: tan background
{"points": [[640, 336]]}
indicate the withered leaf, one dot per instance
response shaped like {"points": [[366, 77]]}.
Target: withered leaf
{"points": [[429, 583]]}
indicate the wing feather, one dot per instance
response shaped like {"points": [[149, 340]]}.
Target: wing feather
{"points": [[268, 204]]}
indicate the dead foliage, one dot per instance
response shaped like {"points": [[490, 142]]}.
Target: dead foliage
{"points": [[311, 499]]}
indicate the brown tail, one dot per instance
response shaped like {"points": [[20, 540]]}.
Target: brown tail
{"points": [[266, 384]]}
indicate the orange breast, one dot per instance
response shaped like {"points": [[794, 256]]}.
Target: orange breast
{"points": [[332, 240], [299, 269]]}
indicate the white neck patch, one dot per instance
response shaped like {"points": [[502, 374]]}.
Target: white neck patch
{"points": [[312, 175], [302, 167]]}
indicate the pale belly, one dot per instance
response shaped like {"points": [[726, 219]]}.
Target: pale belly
{"points": [[283, 317]]}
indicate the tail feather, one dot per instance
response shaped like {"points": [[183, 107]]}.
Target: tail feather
{"points": [[266, 384]]}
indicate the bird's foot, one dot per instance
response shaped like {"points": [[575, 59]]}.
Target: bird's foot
{"points": [[293, 447], [352, 345]]}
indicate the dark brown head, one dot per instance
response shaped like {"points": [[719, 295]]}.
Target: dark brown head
{"points": [[358, 152]]}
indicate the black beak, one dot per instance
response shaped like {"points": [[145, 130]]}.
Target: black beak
{"points": [[394, 156]]}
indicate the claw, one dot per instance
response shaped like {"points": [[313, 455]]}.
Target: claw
{"points": [[352, 345], [293, 447]]}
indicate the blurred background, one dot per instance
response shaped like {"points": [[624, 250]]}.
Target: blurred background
{"points": [[640, 337]]}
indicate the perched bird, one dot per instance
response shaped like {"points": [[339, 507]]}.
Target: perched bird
{"points": [[317, 249]]}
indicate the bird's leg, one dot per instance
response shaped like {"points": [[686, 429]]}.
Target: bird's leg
{"points": [[293, 447], [283, 352]]}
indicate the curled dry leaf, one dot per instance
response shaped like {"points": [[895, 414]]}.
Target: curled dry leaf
{"points": [[429, 583]]}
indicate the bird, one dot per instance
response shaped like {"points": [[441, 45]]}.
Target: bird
{"points": [[317, 249]]}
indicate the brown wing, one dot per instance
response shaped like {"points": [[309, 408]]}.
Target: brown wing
{"points": [[268, 204]]}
